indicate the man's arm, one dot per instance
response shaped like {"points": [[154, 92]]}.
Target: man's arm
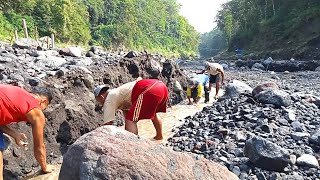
{"points": [[201, 72], [8, 131], [222, 75], [18, 137], [109, 109], [37, 121], [189, 95]]}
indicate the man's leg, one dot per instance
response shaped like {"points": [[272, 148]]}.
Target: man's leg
{"points": [[206, 94], [218, 80], [217, 89], [2, 146], [131, 126], [157, 123], [1, 165]]}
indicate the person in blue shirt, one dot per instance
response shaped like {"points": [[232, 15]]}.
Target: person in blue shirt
{"points": [[196, 86]]}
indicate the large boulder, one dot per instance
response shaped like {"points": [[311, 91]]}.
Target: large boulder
{"points": [[113, 153], [154, 68], [50, 61], [235, 87], [263, 87], [71, 51], [258, 66], [25, 43], [275, 97], [266, 155], [131, 54]]}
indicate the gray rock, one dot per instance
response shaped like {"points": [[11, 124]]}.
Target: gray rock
{"points": [[315, 137], [296, 125], [293, 177], [177, 87], [290, 114], [131, 54], [275, 97], [25, 43], [82, 61], [34, 81], [71, 51], [308, 160], [235, 87], [318, 68], [5, 59], [268, 61], [293, 159], [96, 154], [50, 61], [154, 68], [266, 154], [299, 135], [88, 81], [258, 66], [263, 87]]}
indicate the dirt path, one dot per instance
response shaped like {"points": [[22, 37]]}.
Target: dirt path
{"points": [[173, 118]]}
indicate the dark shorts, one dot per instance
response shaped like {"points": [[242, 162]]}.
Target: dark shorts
{"points": [[2, 146], [215, 78]]}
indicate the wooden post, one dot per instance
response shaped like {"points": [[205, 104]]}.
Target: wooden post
{"points": [[25, 28], [52, 40], [16, 34], [36, 34], [48, 42]]}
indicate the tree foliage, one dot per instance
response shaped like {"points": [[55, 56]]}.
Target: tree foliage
{"points": [[248, 22], [212, 43], [136, 24]]}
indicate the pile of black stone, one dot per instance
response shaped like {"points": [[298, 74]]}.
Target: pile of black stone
{"points": [[261, 134]]}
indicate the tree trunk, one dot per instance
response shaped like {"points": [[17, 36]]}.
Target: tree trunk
{"points": [[274, 10], [265, 10]]}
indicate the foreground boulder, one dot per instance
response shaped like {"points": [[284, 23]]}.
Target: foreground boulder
{"points": [[265, 154], [112, 153]]}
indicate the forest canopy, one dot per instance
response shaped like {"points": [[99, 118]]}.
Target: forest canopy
{"points": [[131, 24]]}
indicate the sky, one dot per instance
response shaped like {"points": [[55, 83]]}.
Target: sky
{"points": [[201, 13]]}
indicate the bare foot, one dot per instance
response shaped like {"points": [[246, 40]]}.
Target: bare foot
{"points": [[158, 137]]}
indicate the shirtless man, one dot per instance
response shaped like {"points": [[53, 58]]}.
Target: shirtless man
{"points": [[216, 73], [18, 105], [140, 99]]}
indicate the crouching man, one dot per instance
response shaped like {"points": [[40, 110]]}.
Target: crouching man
{"points": [[18, 105], [140, 99]]}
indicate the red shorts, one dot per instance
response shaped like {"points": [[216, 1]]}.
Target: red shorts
{"points": [[148, 97]]}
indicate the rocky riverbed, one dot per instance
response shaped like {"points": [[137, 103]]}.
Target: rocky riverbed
{"points": [[71, 74], [271, 131]]}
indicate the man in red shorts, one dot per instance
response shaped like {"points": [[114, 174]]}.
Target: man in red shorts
{"points": [[18, 105], [140, 99]]}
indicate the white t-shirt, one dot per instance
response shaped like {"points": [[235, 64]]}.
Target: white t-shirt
{"points": [[118, 98], [212, 69]]}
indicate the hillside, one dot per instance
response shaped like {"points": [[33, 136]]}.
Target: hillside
{"points": [[281, 29], [115, 24]]}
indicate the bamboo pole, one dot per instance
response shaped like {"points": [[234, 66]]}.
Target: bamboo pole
{"points": [[16, 34], [52, 40], [25, 29]]}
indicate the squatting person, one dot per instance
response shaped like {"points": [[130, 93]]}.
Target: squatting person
{"points": [[18, 105], [140, 99]]}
